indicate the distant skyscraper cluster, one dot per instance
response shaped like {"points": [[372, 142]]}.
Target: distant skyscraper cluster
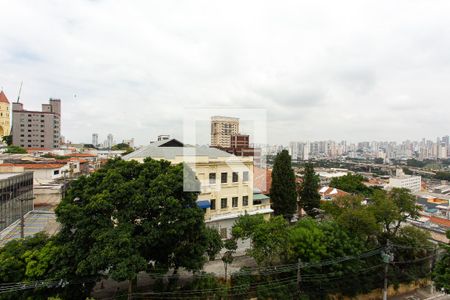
{"points": [[424, 149]]}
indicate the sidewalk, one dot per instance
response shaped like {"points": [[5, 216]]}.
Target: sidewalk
{"points": [[421, 294]]}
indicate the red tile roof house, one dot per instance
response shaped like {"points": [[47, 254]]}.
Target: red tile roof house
{"points": [[328, 193]]}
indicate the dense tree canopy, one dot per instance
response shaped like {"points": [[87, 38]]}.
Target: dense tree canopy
{"points": [[441, 275], [15, 150], [352, 183], [309, 191], [283, 192], [128, 214]]}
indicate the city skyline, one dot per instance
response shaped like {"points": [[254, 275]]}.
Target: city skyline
{"points": [[321, 70]]}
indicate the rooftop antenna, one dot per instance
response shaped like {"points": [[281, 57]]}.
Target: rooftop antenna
{"points": [[20, 90]]}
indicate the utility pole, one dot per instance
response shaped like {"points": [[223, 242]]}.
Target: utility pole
{"points": [[299, 276], [22, 217], [432, 262], [387, 258]]}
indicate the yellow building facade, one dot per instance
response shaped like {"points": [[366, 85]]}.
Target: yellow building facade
{"points": [[5, 118], [226, 181]]}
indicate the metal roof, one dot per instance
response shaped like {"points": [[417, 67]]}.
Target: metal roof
{"points": [[154, 150]]}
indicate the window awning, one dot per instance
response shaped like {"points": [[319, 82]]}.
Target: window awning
{"points": [[203, 204], [260, 197]]}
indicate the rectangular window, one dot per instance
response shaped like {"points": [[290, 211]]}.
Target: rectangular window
{"points": [[235, 177], [223, 177], [234, 202], [56, 172], [245, 176], [245, 201], [223, 203], [213, 204], [212, 178]]}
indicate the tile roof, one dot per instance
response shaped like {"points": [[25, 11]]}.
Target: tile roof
{"points": [[331, 191], [440, 221], [34, 166], [3, 97]]}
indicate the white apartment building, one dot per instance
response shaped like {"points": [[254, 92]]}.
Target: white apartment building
{"points": [[226, 181], [401, 180]]}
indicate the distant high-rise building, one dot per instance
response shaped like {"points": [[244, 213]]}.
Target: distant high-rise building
{"points": [[109, 141], [222, 128], [37, 129], [95, 139], [5, 123]]}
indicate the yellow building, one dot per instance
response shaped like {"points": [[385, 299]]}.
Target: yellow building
{"points": [[226, 181], [5, 120]]}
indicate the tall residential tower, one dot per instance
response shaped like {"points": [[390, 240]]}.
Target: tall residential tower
{"points": [[222, 128], [37, 129]]}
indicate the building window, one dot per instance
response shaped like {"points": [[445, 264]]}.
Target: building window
{"points": [[223, 177], [223, 233], [235, 177], [234, 202], [56, 172], [245, 201], [223, 203], [245, 176], [212, 178], [213, 204]]}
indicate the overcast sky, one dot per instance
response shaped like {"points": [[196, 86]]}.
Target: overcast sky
{"points": [[354, 70]]}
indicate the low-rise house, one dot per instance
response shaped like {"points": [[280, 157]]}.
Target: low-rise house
{"points": [[328, 193], [45, 172]]}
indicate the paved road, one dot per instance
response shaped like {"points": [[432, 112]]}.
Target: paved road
{"points": [[421, 294]]}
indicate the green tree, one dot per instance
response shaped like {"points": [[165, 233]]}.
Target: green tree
{"points": [[245, 226], [215, 243], [312, 242], [393, 208], [378, 160], [7, 139], [129, 214], [283, 191], [351, 183], [13, 264], [441, 274], [268, 238], [309, 191], [227, 258], [350, 213], [122, 146], [15, 150]]}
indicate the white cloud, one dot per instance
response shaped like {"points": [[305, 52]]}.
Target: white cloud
{"points": [[322, 69]]}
